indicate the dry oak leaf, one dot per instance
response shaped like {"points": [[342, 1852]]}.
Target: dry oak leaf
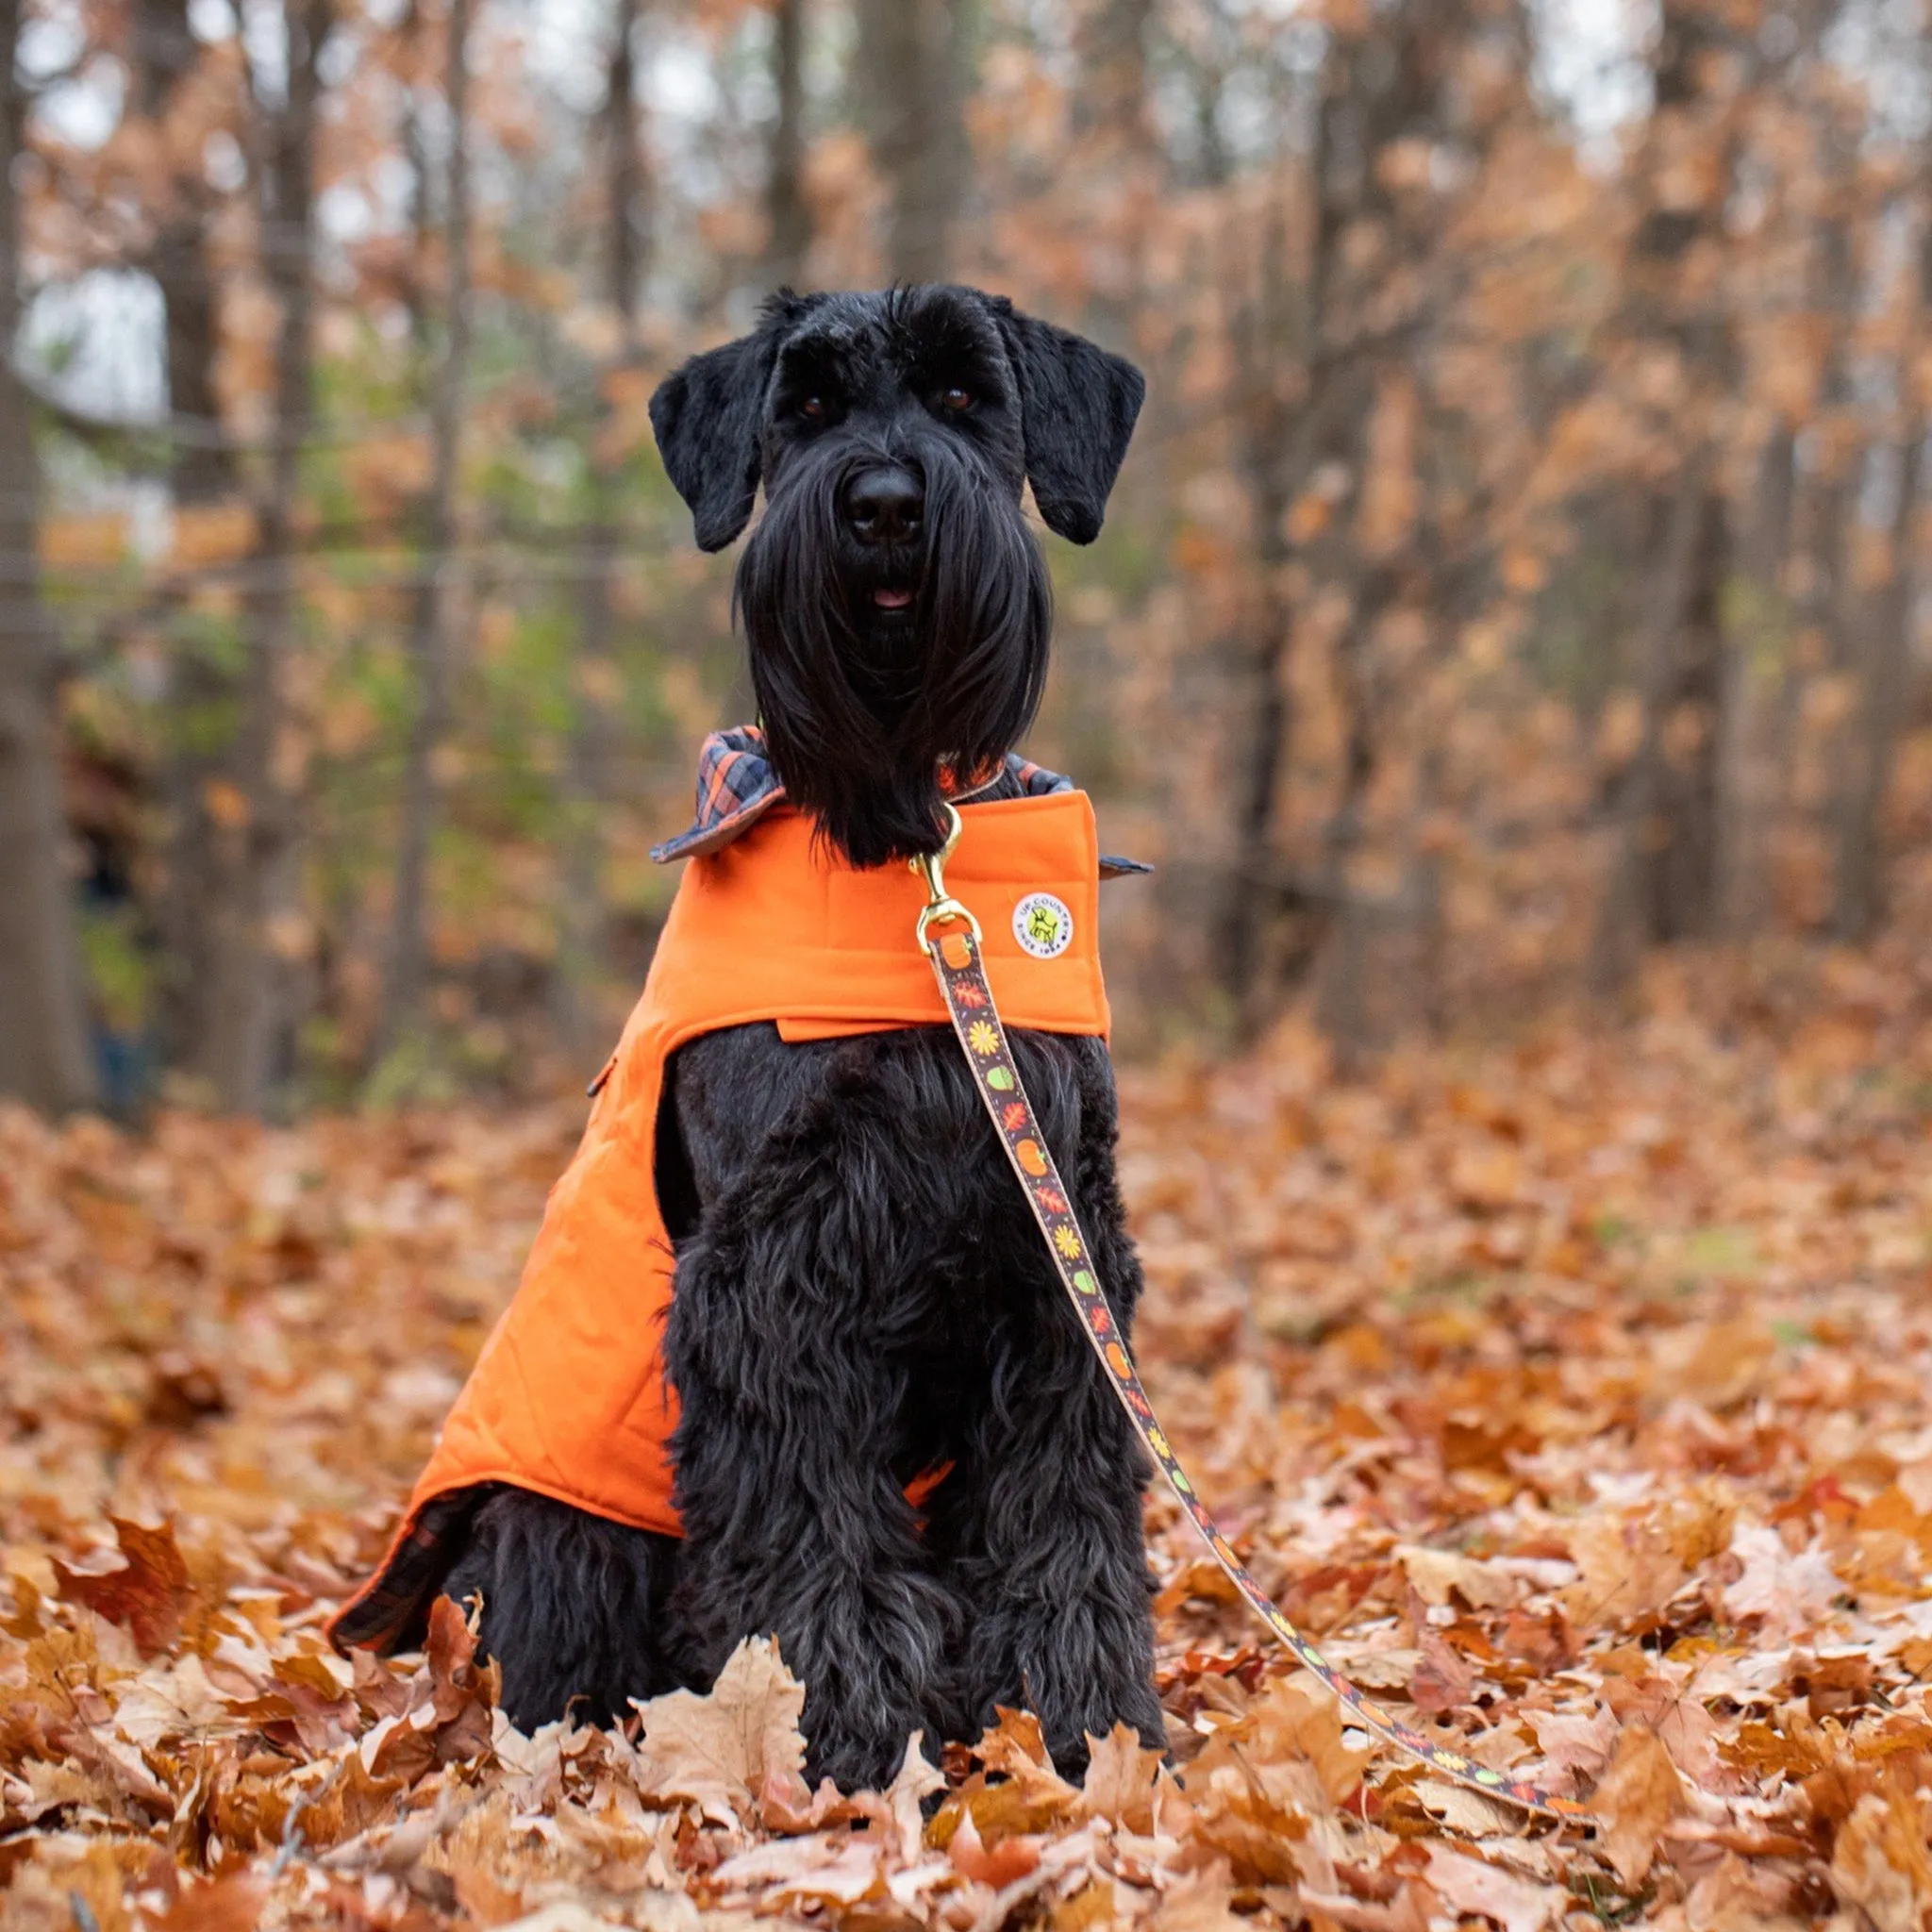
{"points": [[1463, 1811], [1787, 1593], [1469, 1886], [452, 1701], [1880, 1865], [917, 1780], [146, 1594], [1442, 1681], [532, 1764], [1575, 1749], [720, 1750], [1628, 1569], [1436, 1572], [1676, 1712], [1257, 1786], [787, 1805], [1640, 1795], [1014, 1808], [227, 1904], [1408, 1911], [175, 1702], [1011, 1858], [352, 1800], [1030, 1795], [566, 1915], [1715, 1364], [1203, 1903], [26, 1618], [827, 1867], [1737, 1898], [1015, 1746], [1121, 1778], [450, 1652]]}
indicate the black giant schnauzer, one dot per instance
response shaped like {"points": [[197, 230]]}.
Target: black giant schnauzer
{"points": [[897, 610]]}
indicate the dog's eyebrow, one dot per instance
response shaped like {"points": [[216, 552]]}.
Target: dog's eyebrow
{"points": [[961, 356], [821, 335], [819, 355]]}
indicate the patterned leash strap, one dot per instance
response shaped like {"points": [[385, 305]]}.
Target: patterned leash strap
{"points": [[955, 953]]}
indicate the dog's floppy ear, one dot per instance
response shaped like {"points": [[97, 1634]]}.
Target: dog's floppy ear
{"points": [[707, 416], [1077, 406]]}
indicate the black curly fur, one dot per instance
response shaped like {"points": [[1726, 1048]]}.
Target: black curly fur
{"points": [[861, 1291]]}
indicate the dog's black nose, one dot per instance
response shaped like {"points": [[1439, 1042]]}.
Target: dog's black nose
{"points": [[884, 506]]}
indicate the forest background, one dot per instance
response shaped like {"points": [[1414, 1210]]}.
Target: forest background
{"points": [[1509, 640], [1518, 566]]}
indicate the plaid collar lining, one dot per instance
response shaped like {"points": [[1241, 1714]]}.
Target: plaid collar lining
{"points": [[736, 786]]}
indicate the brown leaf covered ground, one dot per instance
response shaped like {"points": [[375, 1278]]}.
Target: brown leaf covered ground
{"points": [[1579, 1392]]}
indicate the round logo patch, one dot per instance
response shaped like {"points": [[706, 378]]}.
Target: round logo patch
{"points": [[1044, 925]]}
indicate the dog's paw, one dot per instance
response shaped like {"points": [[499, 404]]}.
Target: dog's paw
{"points": [[862, 1764]]}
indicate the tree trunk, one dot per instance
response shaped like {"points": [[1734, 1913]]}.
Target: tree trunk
{"points": [[596, 684], [1375, 91], [412, 31], [1111, 102], [629, 187], [200, 466], [201, 470], [1885, 647], [43, 1047], [1341, 1002], [786, 213], [1663, 879], [433, 618], [1273, 328], [1680, 845], [1259, 695], [911, 62], [1756, 668], [247, 1045], [1883, 642], [1625, 913]]}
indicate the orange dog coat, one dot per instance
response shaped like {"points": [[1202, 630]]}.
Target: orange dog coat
{"points": [[569, 1396]]}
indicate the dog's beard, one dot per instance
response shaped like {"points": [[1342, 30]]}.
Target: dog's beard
{"points": [[862, 711]]}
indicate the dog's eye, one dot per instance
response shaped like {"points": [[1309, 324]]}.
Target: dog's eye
{"points": [[956, 402], [812, 408]]}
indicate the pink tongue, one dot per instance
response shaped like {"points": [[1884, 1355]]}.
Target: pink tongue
{"points": [[892, 600]]}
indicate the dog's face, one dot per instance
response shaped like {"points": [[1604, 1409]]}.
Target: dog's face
{"points": [[895, 604]]}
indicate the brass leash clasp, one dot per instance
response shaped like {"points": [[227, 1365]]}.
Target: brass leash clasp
{"points": [[940, 908]]}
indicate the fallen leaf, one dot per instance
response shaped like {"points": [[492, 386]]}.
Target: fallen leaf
{"points": [[1785, 1593], [146, 1593], [719, 1748], [1012, 1858], [1881, 1864], [1471, 1885], [233, 1904], [1640, 1795], [1120, 1774], [1435, 1573], [1442, 1681]]}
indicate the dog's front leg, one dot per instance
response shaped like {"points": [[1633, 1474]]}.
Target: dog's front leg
{"points": [[1041, 1523], [790, 1404], [1044, 1519]]}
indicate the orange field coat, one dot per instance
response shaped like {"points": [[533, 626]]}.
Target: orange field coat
{"points": [[569, 1396]]}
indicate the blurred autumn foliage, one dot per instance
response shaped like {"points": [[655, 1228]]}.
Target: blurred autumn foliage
{"points": [[1517, 568], [1573, 1394]]}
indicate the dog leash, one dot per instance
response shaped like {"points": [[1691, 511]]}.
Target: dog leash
{"points": [[958, 967]]}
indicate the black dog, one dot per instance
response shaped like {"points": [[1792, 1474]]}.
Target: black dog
{"points": [[847, 1229]]}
